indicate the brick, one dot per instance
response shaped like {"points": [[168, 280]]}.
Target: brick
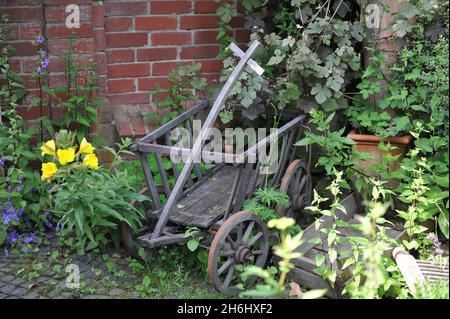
{"points": [[156, 23], [121, 86], [206, 6], [100, 60], [58, 13], [150, 84], [168, 7], [198, 52], [120, 40], [157, 54], [29, 31], [98, 14], [67, 1], [129, 98], [171, 38], [242, 36], [120, 56], [99, 39], [118, 24], [19, 14], [237, 22], [195, 22], [163, 68], [211, 66], [29, 65], [13, 32], [23, 49], [205, 37], [15, 64], [57, 80], [128, 70], [56, 64], [124, 129], [21, 2], [59, 46], [60, 31], [129, 8]]}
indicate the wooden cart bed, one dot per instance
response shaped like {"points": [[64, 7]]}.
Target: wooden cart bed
{"points": [[208, 202]]}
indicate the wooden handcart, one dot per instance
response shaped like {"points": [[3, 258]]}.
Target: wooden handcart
{"points": [[212, 199]]}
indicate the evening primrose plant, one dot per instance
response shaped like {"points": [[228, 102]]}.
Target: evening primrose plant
{"points": [[64, 156], [89, 200]]}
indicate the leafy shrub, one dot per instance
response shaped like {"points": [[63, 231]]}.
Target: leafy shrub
{"points": [[89, 200]]}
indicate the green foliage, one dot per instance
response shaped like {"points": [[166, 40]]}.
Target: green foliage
{"points": [[434, 290], [307, 51], [80, 105], [270, 286], [265, 201], [184, 81], [21, 188], [92, 203], [373, 274], [226, 12]]}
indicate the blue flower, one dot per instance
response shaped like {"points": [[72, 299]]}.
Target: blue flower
{"points": [[2, 162], [43, 54], [48, 224], [29, 239], [19, 188], [39, 70], [41, 39], [45, 63]]}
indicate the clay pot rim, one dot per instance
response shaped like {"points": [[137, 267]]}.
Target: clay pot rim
{"points": [[402, 140]]}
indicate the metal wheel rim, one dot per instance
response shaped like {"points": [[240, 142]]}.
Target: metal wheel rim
{"points": [[222, 241]]}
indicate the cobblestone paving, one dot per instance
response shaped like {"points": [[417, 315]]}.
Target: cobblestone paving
{"points": [[43, 275]]}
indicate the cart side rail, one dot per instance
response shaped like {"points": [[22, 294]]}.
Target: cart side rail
{"points": [[179, 120]]}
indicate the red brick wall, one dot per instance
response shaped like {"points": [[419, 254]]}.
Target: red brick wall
{"points": [[135, 43]]}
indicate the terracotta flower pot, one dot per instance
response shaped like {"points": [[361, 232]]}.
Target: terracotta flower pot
{"points": [[369, 144]]}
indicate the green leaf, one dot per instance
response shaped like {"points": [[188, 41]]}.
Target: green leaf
{"points": [[443, 223], [319, 259], [192, 244]]}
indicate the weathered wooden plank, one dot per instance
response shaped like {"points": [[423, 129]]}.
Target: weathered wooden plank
{"points": [[252, 151], [149, 242], [215, 157], [156, 203], [161, 131]]}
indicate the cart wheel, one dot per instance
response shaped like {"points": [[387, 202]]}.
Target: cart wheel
{"points": [[242, 240], [129, 235], [297, 183]]}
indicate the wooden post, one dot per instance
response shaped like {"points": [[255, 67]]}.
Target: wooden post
{"points": [[199, 143]]}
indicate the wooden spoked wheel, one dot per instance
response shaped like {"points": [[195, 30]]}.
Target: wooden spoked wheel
{"points": [[297, 183], [129, 236], [243, 239]]}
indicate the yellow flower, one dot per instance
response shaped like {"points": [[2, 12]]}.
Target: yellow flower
{"points": [[85, 147], [91, 161], [66, 156], [48, 148], [48, 170]]}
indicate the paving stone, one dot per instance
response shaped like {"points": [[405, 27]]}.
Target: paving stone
{"points": [[8, 278], [31, 295], [116, 292], [7, 289], [19, 292], [18, 281]]}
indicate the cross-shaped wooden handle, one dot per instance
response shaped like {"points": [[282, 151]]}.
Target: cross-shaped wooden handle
{"points": [[251, 63]]}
